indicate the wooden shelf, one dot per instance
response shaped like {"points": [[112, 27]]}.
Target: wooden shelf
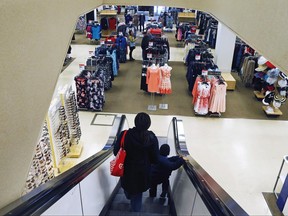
{"points": [[108, 13], [66, 164], [259, 95], [186, 17], [75, 151], [277, 112], [229, 79]]}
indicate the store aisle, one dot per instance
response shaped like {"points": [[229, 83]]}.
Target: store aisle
{"points": [[243, 156]]}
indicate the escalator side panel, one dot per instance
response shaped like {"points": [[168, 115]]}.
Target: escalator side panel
{"points": [[92, 192], [69, 204], [97, 188], [186, 198], [199, 207]]}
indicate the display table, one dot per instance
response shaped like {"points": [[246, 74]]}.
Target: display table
{"points": [[259, 95], [229, 79], [277, 112]]}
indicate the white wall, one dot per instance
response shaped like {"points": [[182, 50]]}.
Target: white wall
{"points": [[34, 39]]}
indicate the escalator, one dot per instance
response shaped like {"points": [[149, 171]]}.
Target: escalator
{"points": [[89, 189]]}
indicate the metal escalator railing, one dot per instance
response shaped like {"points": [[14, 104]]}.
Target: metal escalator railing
{"points": [[217, 201], [41, 198]]}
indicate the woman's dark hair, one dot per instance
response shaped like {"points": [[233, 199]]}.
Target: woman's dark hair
{"points": [[142, 121]]}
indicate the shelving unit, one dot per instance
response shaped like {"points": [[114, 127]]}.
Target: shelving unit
{"points": [[275, 113], [108, 14], [229, 79], [259, 95], [186, 17]]}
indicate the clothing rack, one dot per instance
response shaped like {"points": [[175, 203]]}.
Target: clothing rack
{"points": [[209, 96]]}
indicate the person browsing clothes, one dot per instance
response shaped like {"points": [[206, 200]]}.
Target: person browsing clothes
{"points": [[132, 44], [142, 150]]}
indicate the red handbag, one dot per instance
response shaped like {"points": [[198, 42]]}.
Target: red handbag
{"points": [[117, 164]]}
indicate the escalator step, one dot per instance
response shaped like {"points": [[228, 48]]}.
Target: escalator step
{"points": [[121, 213], [149, 205]]}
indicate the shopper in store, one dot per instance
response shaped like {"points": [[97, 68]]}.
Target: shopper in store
{"points": [[132, 44], [161, 172], [142, 150]]}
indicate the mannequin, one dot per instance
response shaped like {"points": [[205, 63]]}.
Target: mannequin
{"points": [[153, 78], [153, 66], [165, 83]]}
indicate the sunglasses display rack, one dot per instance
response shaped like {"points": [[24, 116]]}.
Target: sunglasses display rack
{"points": [[68, 100], [60, 136], [41, 169], [59, 142]]}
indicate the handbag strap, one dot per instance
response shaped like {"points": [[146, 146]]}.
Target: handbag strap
{"points": [[122, 139]]}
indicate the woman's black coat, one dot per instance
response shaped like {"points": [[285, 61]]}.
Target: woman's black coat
{"points": [[142, 150]]}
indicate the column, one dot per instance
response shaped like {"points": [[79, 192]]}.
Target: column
{"points": [[95, 15], [225, 45]]}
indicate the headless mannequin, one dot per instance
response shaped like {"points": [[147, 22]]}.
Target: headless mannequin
{"points": [[153, 66]]}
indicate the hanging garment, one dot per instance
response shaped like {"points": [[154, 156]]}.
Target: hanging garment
{"points": [[122, 48], [96, 32], [96, 99], [143, 84], [202, 102], [169, 22], [112, 23], [104, 23], [82, 92], [165, 84], [153, 79], [218, 97]]}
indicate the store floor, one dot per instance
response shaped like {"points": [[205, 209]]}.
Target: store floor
{"points": [[242, 155]]}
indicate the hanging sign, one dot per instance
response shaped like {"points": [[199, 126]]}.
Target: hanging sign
{"points": [[150, 44], [91, 52], [197, 57]]}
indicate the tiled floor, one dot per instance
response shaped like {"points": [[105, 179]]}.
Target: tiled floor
{"points": [[243, 156]]}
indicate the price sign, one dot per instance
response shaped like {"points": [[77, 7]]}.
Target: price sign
{"points": [[149, 55], [91, 52], [204, 72], [150, 44], [81, 67], [197, 57]]}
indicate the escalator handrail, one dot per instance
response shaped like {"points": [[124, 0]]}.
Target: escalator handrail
{"points": [[216, 199], [44, 196]]}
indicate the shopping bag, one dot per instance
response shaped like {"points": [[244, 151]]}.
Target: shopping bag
{"points": [[117, 164]]}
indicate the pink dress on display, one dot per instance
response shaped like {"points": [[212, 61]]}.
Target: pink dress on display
{"points": [[165, 85], [202, 102], [153, 78], [218, 97]]}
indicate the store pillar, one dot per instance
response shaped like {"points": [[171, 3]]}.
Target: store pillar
{"points": [[225, 45]]}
